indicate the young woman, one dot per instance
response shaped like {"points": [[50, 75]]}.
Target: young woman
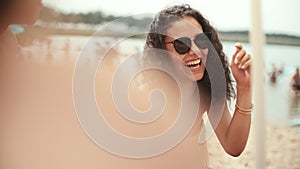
{"points": [[184, 32]]}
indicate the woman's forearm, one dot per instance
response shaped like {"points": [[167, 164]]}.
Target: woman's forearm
{"points": [[238, 130]]}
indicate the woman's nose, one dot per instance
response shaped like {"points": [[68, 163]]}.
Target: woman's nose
{"points": [[194, 49]]}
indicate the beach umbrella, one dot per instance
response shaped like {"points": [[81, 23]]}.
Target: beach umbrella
{"points": [[257, 41]]}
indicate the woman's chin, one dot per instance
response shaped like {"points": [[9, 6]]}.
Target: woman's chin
{"points": [[195, 76], [198, 76]]}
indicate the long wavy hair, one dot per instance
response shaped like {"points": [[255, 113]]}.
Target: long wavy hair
{"points": [[157, 34]]}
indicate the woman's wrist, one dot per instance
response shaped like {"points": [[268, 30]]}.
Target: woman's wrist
{"points": [[244, 110], [244, 97], [243, 88]]}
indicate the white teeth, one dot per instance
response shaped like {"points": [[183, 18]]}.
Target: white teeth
{"points": [[193, 63]]}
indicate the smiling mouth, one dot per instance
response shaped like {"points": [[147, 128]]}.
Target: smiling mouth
{"points": [[193, 63]]}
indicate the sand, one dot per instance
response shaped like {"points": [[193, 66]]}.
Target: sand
{"points": [[281, 151]]}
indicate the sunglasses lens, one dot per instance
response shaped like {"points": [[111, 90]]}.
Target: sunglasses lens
{"points": [[182, 45], [201, 41]]}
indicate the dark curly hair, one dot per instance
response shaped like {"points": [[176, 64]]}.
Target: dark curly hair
{"points": [[157, 34]]}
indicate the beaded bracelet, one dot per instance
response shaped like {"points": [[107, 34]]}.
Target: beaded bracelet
{"points": [[243, 110]]}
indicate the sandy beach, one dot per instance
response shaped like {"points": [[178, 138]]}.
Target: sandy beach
{"points": [[282, 151], [39, 123]]}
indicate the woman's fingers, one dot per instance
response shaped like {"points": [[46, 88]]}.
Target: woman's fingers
{"points": [[238, 48], [244, 61], [247, 63], [239, 56]]}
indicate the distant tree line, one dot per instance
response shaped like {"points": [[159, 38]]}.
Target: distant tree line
{"points": [[49, 14]]}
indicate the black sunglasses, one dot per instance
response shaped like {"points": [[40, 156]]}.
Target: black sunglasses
{"points": [[183, 45]]}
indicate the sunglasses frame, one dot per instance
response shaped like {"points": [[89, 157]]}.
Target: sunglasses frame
{"points": [[187, 42]]}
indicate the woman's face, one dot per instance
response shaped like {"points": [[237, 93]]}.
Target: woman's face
{"points": [[195, 58], [23, 11]]}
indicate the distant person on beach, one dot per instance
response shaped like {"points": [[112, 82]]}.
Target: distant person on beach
{"points": [[295, 82], [173, 30], [281, 70], [15, 12], [275, 72]]}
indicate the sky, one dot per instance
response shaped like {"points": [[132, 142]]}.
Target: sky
{"points": [[278, 16]]}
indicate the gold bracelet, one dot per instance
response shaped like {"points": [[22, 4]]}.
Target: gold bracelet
{"points": [[243, 110]]}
